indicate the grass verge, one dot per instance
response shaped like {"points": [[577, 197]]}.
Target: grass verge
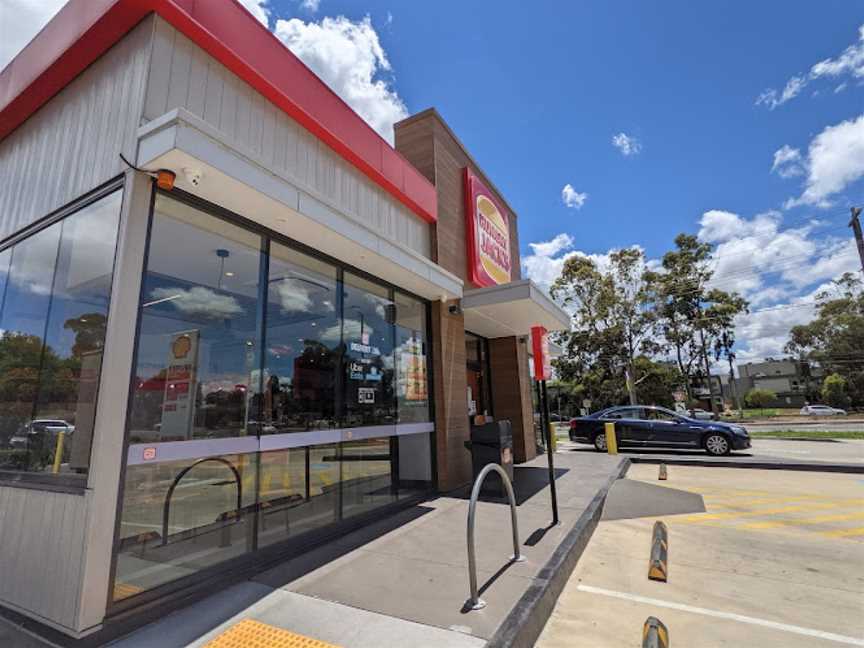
{"points": [[806, 434]]}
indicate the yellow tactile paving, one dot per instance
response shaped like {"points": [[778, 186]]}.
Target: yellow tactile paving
{"points": [[254, 634]]}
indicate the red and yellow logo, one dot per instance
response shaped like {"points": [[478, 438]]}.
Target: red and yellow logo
{"points": [[488, 235]]}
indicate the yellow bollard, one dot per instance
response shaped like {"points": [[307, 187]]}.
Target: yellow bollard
{"points": [[553, 437], [611, 441], [58, 452]]}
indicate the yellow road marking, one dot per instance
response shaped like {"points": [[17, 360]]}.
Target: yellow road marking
{"points": [[844, 533], [820, 519], [704, 517]]}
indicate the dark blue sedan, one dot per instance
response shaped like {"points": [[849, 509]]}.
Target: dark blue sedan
{"points": [[649, 426]]}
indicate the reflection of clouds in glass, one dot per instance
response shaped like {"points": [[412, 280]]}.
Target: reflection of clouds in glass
{"points": [[352, 331], [380, 304], [33, 262], [293, 296], [199, 301]]}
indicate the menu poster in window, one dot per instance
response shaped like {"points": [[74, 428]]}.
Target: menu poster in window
{"points": [[412, 372], [178, 405]]}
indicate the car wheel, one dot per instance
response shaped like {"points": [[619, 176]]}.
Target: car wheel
{"points": [[600, 442], [717, 445]]}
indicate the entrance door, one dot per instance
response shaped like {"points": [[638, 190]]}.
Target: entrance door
{"points": [[477, 375]]}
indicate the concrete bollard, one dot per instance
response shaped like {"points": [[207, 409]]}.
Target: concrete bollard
{"points": [[658, 567], [611, 440], [662, 475], [654, 634]]}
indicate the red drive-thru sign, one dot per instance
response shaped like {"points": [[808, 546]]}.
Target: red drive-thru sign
{"points": [[488, 230], [540, 347]]}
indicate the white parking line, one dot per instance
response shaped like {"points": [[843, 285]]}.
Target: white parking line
{"points": [[830, 636]]}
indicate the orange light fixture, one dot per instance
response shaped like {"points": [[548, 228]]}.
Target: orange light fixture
{"points": [[165, 179]]}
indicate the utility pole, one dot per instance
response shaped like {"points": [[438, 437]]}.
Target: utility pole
{"points": [[855, 224]]}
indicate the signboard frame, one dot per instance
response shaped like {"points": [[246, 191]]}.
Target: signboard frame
{"points": [[488, 243]]}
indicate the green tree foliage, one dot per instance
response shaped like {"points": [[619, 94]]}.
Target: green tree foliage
{"points": [[612, 323], [834, 391], [692, 317], [759, 398], [834, 340]]}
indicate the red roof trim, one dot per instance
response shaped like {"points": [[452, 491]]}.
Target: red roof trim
{"points": [[84, 29]]}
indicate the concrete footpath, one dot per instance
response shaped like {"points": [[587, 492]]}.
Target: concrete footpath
{"points": [[404, 580]]}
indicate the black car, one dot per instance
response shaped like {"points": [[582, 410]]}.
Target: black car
{"points": [[648, 426]]}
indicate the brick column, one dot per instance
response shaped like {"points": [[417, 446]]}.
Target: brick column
{"points": [[451, 401], [511, 392]]}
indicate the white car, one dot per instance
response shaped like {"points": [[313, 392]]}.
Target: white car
{"points": [[700, 414], [20, 440], [821, 410]]}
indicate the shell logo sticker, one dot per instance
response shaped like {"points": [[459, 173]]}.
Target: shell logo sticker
{"points": [[488, 232]]}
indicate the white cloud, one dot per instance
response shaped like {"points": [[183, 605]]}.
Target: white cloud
{"points": [[627, 144], [840, 88], [573, 198], [259, 9], [771, 266], [787, 162], [310, 5], [20, 21], [553, 247], [348, 57], [547, 260], [199, 301], [849, 63], [835, 159]]}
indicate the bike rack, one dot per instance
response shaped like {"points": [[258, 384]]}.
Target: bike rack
{"points": [[166, 506], [475, 602]]}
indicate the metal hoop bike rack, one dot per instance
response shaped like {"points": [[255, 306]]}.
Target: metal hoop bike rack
{"points": [[166, 506], [475, 602]]}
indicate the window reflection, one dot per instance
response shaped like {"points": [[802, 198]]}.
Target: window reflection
{"points": [[302, 343], [197, 371], [367, 332], [412, 393], [55, 291], [204, 526], [367, 474], [299, 492]]}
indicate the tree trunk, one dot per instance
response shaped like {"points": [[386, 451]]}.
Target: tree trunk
{"points": [[707, 369]]}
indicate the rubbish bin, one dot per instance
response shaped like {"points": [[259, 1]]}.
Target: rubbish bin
{"points": [[492, 443]]}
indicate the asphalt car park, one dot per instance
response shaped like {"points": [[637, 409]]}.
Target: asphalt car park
{"points": [[774, 559]]}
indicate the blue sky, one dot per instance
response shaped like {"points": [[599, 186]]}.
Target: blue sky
{"points": [[538, 91]]}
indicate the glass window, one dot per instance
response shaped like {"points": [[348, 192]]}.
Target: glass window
{"points": [[479, 388], [302, 343], [210, 505], [55, 286], [299, 492], [367, 474], [412, 377], [415, 464], [367, 333], [662, 415], [198, 365]]}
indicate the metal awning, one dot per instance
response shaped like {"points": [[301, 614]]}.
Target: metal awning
{"points": [[511, 309]]}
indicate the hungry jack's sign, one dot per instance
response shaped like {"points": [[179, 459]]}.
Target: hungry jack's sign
{"points": [[488, 232]]}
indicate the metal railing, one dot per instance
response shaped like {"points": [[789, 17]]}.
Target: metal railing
{"points": [[475, 602]]}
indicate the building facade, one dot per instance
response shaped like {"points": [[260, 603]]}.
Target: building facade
{"points": [[288, 335]]}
